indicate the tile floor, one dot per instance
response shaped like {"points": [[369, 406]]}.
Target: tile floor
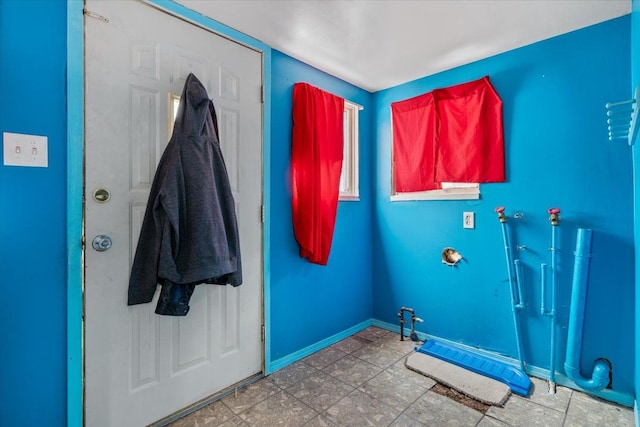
{"points": [[362, 381]]}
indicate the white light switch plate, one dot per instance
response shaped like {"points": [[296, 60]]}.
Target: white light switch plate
{"points": [[25, 150], [469, 220]]}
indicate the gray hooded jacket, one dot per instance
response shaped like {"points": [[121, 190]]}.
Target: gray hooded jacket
{"points": [[189, 233]]}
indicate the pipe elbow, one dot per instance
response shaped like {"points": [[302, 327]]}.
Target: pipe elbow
{"points": [[599, 378]]}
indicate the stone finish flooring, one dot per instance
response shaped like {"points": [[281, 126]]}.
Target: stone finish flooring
{"points": [[362, 381]]}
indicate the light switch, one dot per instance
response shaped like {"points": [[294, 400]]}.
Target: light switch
{"points": [[25, 150], [468, 220]]}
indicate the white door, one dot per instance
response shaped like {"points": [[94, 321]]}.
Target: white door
{"points": [[140, 366]]}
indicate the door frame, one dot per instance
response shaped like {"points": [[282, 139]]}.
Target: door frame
{"points": [[75, 187]]}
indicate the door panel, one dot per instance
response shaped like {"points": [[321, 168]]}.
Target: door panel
{"points": [[139, 366]]}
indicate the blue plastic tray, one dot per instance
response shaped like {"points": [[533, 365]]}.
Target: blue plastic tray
{"points": [[517, 380]]}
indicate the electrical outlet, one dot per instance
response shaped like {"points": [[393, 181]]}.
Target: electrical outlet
{"points": [[468, 220]]}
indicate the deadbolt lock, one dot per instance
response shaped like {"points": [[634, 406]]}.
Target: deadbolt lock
{"points": [[101, 195]]}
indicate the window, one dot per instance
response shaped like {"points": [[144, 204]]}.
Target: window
{"points": [[349, 176], [449, 190], [446, 142], [174, 103]]}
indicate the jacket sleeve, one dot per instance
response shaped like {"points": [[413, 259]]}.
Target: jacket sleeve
{"points": [[144, 271]]}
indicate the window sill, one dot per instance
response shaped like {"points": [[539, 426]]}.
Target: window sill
{"points": [[348, 198], [445, 194]]}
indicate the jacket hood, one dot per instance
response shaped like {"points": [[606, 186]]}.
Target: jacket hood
{"points": [[193, 111]]}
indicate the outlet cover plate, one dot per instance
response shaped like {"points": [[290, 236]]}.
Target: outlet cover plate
{"points": [[469, 220], [25, 150]]}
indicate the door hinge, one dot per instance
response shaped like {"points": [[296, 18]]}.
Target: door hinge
{"points": [[262, 332], [83, 241], [262, 213], [262, 94]]}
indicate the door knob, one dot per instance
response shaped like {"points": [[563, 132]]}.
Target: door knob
{"points": [[101, 243]]}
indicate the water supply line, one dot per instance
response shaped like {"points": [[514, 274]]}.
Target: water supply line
{"points": [[600, 376], [516, 292], [414, 319], [554, 219], [518, 270]]}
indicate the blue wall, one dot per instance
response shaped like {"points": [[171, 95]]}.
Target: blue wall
{"points": [[309, 302], [555, 120], [33, 217], [635, 81], [557, 154]]}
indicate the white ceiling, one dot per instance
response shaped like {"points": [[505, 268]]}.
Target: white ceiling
{"points": [[376, 44]]}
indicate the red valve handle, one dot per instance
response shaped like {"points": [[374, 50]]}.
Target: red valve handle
{"points": [[554, 211], [500, 209]]}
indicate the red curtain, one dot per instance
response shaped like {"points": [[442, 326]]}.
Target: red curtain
{"points": [[316, 164], [414, 151], [453, 134], [470, 139]]}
